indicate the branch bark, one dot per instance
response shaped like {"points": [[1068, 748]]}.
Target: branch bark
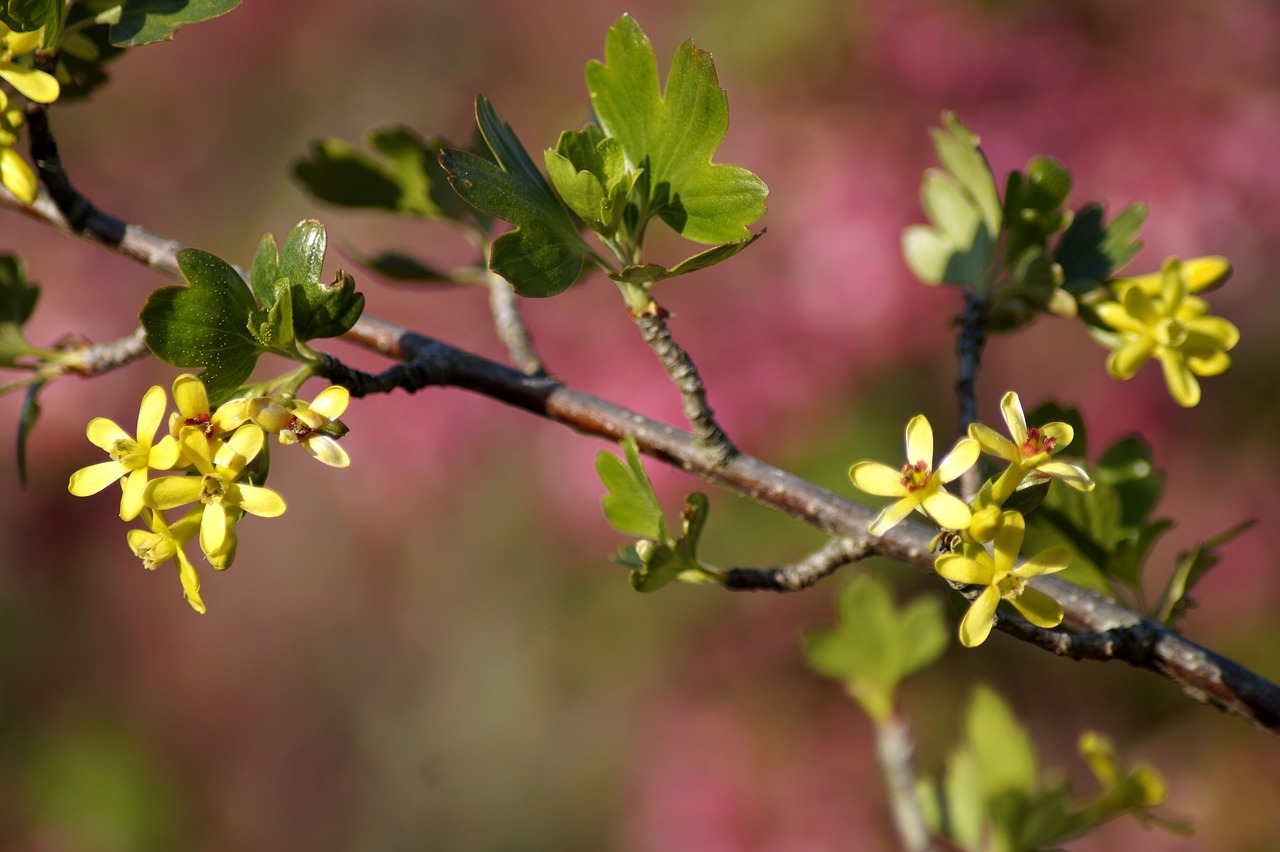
{"points": [[1105, 630]]}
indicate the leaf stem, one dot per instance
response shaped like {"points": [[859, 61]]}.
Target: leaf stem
{"points": [[896, 753]]}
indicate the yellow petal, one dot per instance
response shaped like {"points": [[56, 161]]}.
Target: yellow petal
{"points": [[33, 84], [1045, 562], [1011, 408], [1125, 361], [92, 479], [1070, 474], [151, 413], [976, 625], [1114, 315], [1061, 433], [17, 176], [164, 455], [961, 569], [331, 401], [1183, 386], [215, 528], [190, 396], [169, 492], [947, 510], [1206, 273], [963, 456], [878, 479], [325, 449], [105, 434], [1009, 541], [992, 442], [259, 501], [131, 500], [240, 449], [919, 441], [190, 582], [892, 514], [1038, 608]]}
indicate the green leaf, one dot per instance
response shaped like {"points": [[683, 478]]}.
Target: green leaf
{"points": [[672, 136], [1091, 251], [590, 173], [544, 255], [963, 208], [1192, 565], [1003, 749], [265, 271], [399, 266], [26, 422], [317, 308], [205, 324], [663, 562], [147, 21], [26, 16], [17, 303], [875, 645], [630, 503], [406, 179], [648, 274]]}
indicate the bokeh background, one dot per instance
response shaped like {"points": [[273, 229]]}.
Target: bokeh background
{"points": [[430, 650]]}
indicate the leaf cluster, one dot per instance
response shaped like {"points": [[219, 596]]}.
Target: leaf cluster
{"points": [[1027, 252], [219, 324], [632, 508]]}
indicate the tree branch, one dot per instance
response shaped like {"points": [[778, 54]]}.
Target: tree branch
{"points": [[832, 556], [1124, 635]]}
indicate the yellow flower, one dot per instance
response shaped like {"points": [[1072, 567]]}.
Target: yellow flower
{"points": [[130, 457], [918, 485], [165, 542], [1030, 450], [1004, 580], [1173, 327], [15, 174], [216, 487], [1201, 274], [313, 426], [33, 84]]}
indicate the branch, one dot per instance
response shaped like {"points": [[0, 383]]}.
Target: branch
{"points": [[832, 556], [1202, 674], [511, 327]]}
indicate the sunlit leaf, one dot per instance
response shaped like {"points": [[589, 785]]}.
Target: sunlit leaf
{"points": [[147, 21]]}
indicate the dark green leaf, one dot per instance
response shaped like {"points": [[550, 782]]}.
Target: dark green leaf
{"points": [[630, 503], [147, 21], [544, 255], [205, 324], [320, 308], [650, 273], [17, 297], [27, 16], [1091, 251], [402, 267], [265, 271], [672, 136], [26, 422]]}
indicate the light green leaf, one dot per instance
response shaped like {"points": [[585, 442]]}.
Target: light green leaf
{"points": [[147, 21], [648, 274], [672, 136], [264, 273], [630, 503], [1004, 752], [205, 324], [17, 302], [663, 562], [590, 173], [544, 255], [1191, 567]]}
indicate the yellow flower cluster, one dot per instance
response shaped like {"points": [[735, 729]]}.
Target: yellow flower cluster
{"points": [[16, 50], [212, 454], [918, 486]]}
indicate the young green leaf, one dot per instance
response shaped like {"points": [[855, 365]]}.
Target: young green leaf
{"points": [[316, 308], [406, 179], [664, 561], [1191, 567], [876, 645], [544, 255], [26, 16], [205, 324], [672, 136], [17, 302], [146, 21], [648, 274], [630, 503], [1091, 250], [963, 208], [590, 173]]}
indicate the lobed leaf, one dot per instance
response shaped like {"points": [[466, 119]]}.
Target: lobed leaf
{"points": [[630, 503], [671, 136], [147, 21], [1092, 250]]}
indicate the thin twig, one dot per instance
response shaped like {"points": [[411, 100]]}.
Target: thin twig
{"points": [[896, 753], [1205, 676], [969, 345], [823, 562], [511, 327], [680, 367]]}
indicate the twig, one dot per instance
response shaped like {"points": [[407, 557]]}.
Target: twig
{"points": [[511, 327], [833, 555], [896, 752], [681, 369], [969, 345], [1205, 676]]}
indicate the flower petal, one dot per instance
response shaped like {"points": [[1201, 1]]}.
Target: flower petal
{"points": [[1205, 273], [1009, 541], [151, 413], [35, 85], [169, 492], [1011, 408], [1070, 474], [1038, 608], [878, 479], [892, 514], [947, 510], [1125, 361], [215, 528], [105, 434], [919, 440], [963, 456], [92, 479], [1183, 386], [1061, 433], [992, 442], [1045, 562], [164, 455], [959, 568], [325, 449], [131, 501], [331, 401], [190, 582], [259, 501], [190, 396], [17, 176], [976, 625], [240, 449]]}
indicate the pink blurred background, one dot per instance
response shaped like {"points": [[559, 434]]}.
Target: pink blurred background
{"points": [[430, 650]]}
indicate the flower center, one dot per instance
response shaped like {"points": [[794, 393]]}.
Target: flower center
{"points": [[204, 421], [122, 449], [213, 489], [1037, 442], [1171, 332], [299, 428], [916, 476], [1010, 586]]}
